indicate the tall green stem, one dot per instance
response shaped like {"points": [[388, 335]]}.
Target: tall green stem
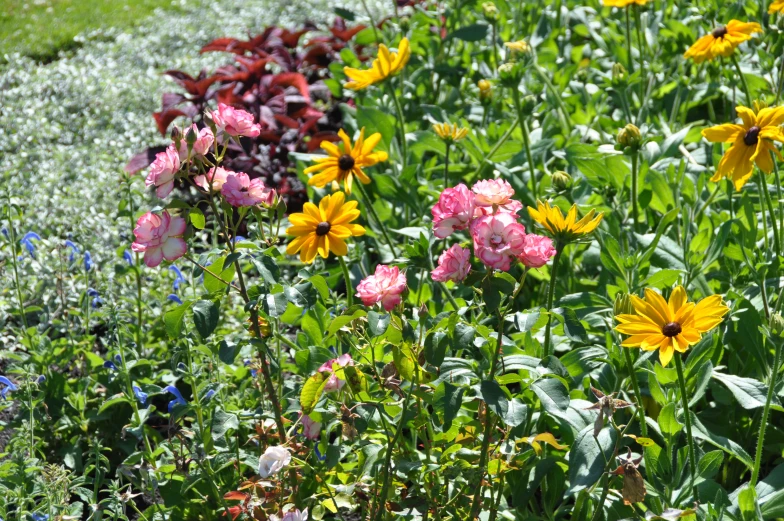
{"points": [[347, 278], [388, 456], [778, 195], [641, 52], [17, 281], [500, 142], [401, 124], [630, 60], [526, 140], [742, 79], [635, 207], [559, 247], [687, 421], [769, 203], [766, 412], [446, 165], [374, 215], [637, 394], [760, 181]]}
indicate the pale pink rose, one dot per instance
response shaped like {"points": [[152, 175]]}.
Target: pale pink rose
{"points": [[493, 195], [310, 429], [384, 286], [537, 251], [235, 122], [204, 140], [292, 515], [216, 176], [454, 211], [334, 383], [454, 264], [239, 190], [159, 237], [273, 460], [497, 238], [163, 170]]}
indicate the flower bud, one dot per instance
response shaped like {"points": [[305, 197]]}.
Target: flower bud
{"points": [[490, 11], [561, 181], [629, 136], [620, 76], [405, 23], [528, 104], [264, 327], [485, 90], [510, 74], [623, 304], [759, 105], [777, 324]]}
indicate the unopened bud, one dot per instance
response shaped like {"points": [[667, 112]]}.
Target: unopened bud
{"points": [[623, 304], [777, 324], [485, 90], [619, 75], [561, 181], [490, 11], [423, 311], [528, 104], [629, 136], [510, 74]]}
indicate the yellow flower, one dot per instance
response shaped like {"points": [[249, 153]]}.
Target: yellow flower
{"points": [[669, 326], [722, 41], [623, 3], [385, 65], [776, 7], [449, 132], [519, 46], [564, 229], [322, 229], [752, 142], [340, 166]]}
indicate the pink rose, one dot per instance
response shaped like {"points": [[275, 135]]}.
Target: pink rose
{"points": [[310, 429], [537, 251], [159, 237], [454, 211], [454, 264], [497, 238], [239, 190], [493, 195], [204, 140], [216, 176], [384, 286], [334, 383], [163, 170], [235, 122]]}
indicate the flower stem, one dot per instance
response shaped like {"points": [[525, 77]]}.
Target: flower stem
{"points": [[347, 278], [637, 393], [630, 61], [559, 247], [778, 196], [388, 457], [401, 124], [761, 182], [17, 282], [774, 225], [642, 53], [687, 420], [555, 94], [446, 166], [742, 78], [635, 207], [500, 142], [374, 215], [766, 412], [372, 21], [526, 139]]}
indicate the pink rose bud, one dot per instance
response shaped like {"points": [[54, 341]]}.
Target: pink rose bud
{"points": [[310, 429], [163, 170], [494, 195], [454, 264], [202, 144], [159, 237], [239, 190], [498, 238], [384, 286], [235, 122], [214, 180], [454, 211], [537, 251], [334, 383]]}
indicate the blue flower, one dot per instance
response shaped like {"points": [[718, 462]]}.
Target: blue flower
{"points": [[41, 379], [4, 231], [39, 517], [252, 371], [178, 278], [174, 298], [74, 250], [128, 257], [239, 238], [140, 395], [88, 261], [182, 368], [178, 399], [27, 242], [96, 302], [318, 454], [8, 385], [209, 395], [109, 364]]}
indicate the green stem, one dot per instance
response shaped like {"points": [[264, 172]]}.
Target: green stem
{"points": [[642, 54], [550, 297], [635, 208], [555, 94], [446, 165], [760, 181], [778, 195], [388, 457], [17, 282], [765, 413], [401, 124], [742, 79], [372, 22], [630, 61], [687, 421], [374, 215], [637, 393], [526, 140], [347, 278], [774, 225], [500, 142]]}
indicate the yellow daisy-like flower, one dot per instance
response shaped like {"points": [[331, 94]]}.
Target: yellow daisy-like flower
{"points": [[722, 41], [623, 3], [776, 7], [449, 132], [323, 229], [669, 326], [519, 46], [385, 65], [752, 142], [564, 229], [340, 166]]}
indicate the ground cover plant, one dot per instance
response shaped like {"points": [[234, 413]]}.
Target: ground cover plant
{"points": [[537, 276]]}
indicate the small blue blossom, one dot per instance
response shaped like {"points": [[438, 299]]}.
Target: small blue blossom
{"points": [[209, 395], [88, 261], [109, 364], [182, 368], [41, 379], [96, 302], [128, 257], [174, 298], [28, 244], [74, 250], [39, 517], [92, 292], [178, 278], [178, 399], [253, 372], [318, 454], [239, 238], [8, 385], [140, 395], [4, 231]]}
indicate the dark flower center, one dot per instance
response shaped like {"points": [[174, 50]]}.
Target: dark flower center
{"points": [[671, 329], [752, 136], [322, 228], [345, 162], [720, 32]]}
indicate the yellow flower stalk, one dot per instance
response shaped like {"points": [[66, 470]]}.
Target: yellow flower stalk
{"points": [[752, 143], [386, 64], [564, 229], [340, 166], [722, 41], [449, 132], [322, 229], [669, 325]]}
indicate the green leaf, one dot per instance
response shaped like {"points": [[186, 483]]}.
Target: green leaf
{"points": [[573, 328], [206, 315], [378, 323], [453, 400], [471, 33], [223, 422], [750, 393], [748, 504], [587, 458], [268, 268], [709, 465], [343, 320], [552, 393], [494, 289], [173, 318], [275, 305], [405, 362], [302, 295], [312, 391], [516, 413], [727, 445], [435, 348], [197, 218], [211, 283], [668, 423], [375, 120], [494, 397]]}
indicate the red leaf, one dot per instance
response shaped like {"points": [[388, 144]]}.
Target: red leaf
{"points": [[315, 141], [163, 119], [143, 159], [292, 79], [236, 495]]}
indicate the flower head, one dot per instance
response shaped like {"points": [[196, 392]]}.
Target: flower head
{"points": [[140, 395], [88, 261], [453, 264], [292, 515], [235, 122], [341, 165], [174, 298], [159, 237], [334, 383], [385, 286], [323, 229], [722, 41], [449, 132], [623, 3], [178, 399], [163, 170], [240, 190], [518, 46], [537, 251], [385, 65], [454, 211], [74, 250], [564, 229], [273, 460], [492, 195], [776, 7], [127, 257], [202, 142], [179, 279], [752, 142], [7, 386], [310, 429], [497, 239], [669, 325], [27, 242]]}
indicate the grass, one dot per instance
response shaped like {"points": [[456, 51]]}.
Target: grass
{"points": [[42, 28]]}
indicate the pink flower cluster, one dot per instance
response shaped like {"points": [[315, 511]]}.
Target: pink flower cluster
{"points": [[490, 214], [235, 122], [385, 286], [159, 237]]}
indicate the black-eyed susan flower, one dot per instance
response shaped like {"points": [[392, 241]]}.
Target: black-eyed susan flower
{"points": [[623, 3], [669, 326], [776, 7], [449, 133], [386, 64], [322, 229], [341, 165], [752, 143], [564, 229], [722, 41]]}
